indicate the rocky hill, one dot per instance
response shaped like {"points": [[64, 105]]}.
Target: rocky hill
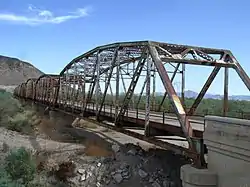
{"points": [[14, 71]]}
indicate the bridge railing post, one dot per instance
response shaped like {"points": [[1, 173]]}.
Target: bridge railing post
{"points": [[137, 112], [110, 110], [163, 117], [104, 108]]}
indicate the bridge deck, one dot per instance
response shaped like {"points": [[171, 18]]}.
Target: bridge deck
{"points": [[167, 121]]}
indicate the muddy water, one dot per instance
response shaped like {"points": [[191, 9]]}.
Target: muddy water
{"points": [[59, 128]]}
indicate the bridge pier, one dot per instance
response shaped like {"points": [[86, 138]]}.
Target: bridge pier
{"points": [[50, 112], [34, 106], [46, 110], [228, 144], [52, 115]]}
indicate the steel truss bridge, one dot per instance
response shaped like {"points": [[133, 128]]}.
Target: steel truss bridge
{"points": [[102, 83]]}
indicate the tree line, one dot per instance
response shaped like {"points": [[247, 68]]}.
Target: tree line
{"points": [[236, 108]]}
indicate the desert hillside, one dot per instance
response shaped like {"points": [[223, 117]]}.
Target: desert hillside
{"points": [[14, 71]]}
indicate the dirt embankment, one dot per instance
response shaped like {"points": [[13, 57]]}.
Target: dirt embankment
{"points": [[89, 155]]}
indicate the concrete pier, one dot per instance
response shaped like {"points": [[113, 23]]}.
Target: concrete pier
{"points": [[228, 144], [192, 177]]}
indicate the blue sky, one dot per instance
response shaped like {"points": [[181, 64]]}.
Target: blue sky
{"points": [[51, 33]]}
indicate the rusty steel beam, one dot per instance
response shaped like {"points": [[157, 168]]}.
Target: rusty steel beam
{"points": [[225, 100], [172, 78], [147, 107], [243, 75], [97, 84], [183, 84], [198, 62], [185, 124], [154, 87], [203, 91], [143, 87], [117, 88], [132, 85], [140, 95], [108, 81], [133, 97], [91, 87]]}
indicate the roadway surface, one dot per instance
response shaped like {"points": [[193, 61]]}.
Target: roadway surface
{"points": [[169, 119], [197, 124]]}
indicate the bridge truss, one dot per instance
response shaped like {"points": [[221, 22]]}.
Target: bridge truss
{"points": [[107, 78]]}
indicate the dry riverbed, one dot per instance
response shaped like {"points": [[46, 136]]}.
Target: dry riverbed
{"points": [[89, 155]]}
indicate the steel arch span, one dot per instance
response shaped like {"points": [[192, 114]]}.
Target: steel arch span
{"points": [[115, 81]]}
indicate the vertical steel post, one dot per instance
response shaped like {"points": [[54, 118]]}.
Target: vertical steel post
{"points": [[57, 90], [83, 88], [147, 107], [117, 86], [132, 85], [163, 117], [74, 88], [225, 102], [133, 97], [137, 112], [154, 77], [91, 86], [108, 79], [183, 85], [67, 88], [78, 91], [97, 82]]}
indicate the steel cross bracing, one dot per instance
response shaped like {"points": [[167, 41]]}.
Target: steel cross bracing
{"points": [[108, 78]]}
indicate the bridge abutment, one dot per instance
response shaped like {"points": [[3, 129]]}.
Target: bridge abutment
{"points": [[228, 144]]}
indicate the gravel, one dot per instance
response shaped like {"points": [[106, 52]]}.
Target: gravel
{"points": [[129, 165]]}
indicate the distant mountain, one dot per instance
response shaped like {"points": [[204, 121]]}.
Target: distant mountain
{"points": [[192, 94], [14, 71], [240, 97]]}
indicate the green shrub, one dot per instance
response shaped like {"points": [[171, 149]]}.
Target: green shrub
{"points": [[8, 105], [5, 180], [19, 123], [20, 165], [13, 115]]}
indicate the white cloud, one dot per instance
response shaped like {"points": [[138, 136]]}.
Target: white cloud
{"points": [[42, 16]]}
